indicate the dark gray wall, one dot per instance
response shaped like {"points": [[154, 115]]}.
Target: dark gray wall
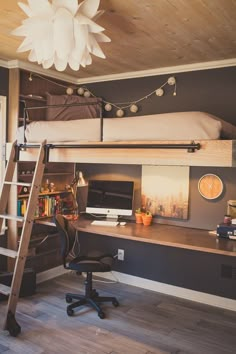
{"points": [[200, 271], [203, 214], [211, 91], [4, 81]]}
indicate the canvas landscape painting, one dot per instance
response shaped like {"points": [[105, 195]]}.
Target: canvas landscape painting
{"points": [[165, 190]]}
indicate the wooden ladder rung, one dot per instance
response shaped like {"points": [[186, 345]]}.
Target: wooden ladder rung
{"points": [[27, 223], [5, 290], [7, 252], [12, 217], [18, 183]]}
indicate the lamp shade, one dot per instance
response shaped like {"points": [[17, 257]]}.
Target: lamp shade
{"points": [[61, 33]]}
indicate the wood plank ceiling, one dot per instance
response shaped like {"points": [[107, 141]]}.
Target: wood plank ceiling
{"points": [[146, 35]]}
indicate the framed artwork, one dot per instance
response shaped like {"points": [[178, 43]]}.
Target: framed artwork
{"points": [[165, 190]]}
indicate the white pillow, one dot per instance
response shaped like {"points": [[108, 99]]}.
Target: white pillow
{"points": [[166, 126], [80, 130]]}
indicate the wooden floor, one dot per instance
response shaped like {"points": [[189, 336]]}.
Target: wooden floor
{"points": [[145, 322]]}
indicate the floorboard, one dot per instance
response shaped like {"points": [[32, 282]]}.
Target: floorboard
{"points": [[146, 322]]}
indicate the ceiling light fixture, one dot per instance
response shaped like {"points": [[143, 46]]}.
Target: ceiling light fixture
{"points": [[61, 33]]}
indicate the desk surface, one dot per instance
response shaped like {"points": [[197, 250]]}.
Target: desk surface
{"points": [[173, 236]]}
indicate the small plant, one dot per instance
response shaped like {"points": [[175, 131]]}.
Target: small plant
{"points": [[139, 215], [147, 218], [138, 211], [148, 213]]}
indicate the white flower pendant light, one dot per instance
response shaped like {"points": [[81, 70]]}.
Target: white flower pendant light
{"points": [[61, 32]]}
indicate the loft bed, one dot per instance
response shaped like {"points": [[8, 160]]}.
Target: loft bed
{"points": [[181, 138], [210, 153]]}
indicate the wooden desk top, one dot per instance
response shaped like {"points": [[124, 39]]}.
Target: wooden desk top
{"points": [[167, 235]]}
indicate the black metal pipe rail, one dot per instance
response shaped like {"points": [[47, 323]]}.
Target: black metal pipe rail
{"points": [[190, 147]]}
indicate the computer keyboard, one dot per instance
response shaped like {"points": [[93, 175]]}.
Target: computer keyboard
{"points": [[104, 223]]}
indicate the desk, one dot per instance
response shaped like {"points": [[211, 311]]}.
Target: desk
{"points": [[166, 235], [183, 257]]}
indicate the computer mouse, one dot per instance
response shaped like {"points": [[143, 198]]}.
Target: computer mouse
{"points": [[122, 223]]}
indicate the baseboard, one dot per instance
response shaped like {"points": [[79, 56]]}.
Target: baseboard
{"points": [[183, 293], [50, 274]]}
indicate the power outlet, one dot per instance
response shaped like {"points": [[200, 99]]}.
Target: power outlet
{"points": [[121, 255]]}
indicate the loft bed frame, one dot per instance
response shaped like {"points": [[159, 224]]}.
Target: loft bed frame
{"points": [[211, 153]]}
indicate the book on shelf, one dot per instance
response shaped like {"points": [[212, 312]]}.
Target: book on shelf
{"points": [[47, 205]]}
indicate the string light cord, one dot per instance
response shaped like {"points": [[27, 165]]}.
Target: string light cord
{"points": [[108, 106], [123, 105]]}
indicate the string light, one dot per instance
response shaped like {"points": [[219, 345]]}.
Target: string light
{"points": [[69, 91], [108, 106], [120, 113], [87, 93], [171, 81], [175, 90], [80, 91], [133, 108], [160, 92]]}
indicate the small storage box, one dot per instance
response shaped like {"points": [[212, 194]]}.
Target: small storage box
{"points": [[231, 208], [28, 285], [226, 231]]}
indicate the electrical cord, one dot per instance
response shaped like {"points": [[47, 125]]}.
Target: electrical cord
{"points": [[75, 251], [115, 281]]}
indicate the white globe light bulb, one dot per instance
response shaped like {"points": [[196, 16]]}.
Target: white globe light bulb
{"points": [[133, 108], [69, 91], [120, 113], [108, 107], [80, 91]]}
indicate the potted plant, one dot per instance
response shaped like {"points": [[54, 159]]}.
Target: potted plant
{"points": [[139, 216], [147, 218]]}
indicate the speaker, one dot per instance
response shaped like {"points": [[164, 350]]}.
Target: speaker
{"points": [[28, 285]]}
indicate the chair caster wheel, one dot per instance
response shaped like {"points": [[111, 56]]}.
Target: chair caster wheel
{"points": [[101, 315], [115, 303], [68, 299], [70, 312]]}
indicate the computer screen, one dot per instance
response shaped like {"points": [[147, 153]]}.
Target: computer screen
{"points": [[110, 198]]}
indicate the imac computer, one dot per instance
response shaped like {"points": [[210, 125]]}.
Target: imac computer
{"points": [[110, 198]]}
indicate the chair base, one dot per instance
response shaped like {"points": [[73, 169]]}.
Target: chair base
{"points": [[91, 298], [93, 301]]}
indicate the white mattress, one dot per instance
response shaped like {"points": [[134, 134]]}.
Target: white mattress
{"points": [[82, 130], [167, 126]]}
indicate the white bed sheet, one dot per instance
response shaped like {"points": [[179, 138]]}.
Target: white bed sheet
{"points": [[166, 126], [82, 130]]}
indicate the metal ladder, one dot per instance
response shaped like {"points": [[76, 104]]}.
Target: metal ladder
{"points": [[27, 220]]}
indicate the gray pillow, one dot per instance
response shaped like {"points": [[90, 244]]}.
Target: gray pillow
{"points": [[92, 107]]}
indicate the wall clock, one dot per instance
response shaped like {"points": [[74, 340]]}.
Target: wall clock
{"points": [[210, 186]]}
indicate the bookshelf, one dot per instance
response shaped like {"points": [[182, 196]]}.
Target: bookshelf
{"points": [[54, 197]]}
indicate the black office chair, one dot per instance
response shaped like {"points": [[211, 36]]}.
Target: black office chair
{"points": [[82, 264]]}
